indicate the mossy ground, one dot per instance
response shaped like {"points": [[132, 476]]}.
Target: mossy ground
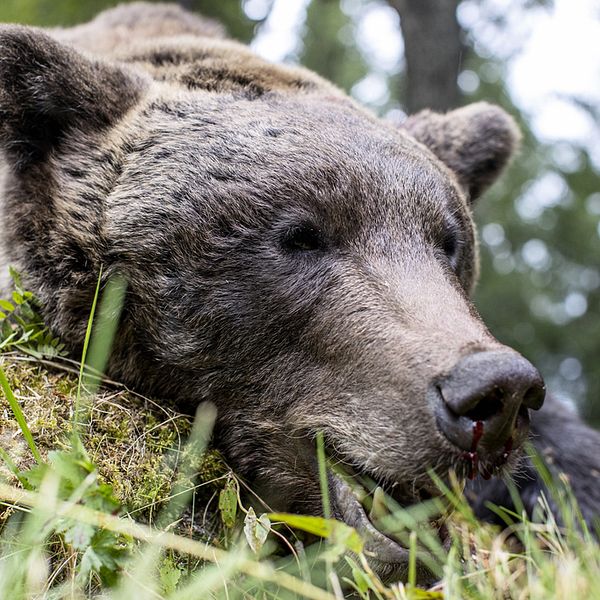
{"points": [[136, 443], [139, 448]]}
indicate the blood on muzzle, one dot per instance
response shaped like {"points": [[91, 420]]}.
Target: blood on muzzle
{"points": [[484, 400]]}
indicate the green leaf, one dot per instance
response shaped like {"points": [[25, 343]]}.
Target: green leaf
{"points": [[17, 298], [23, 328], [419, 594], [102, 498], [169, 575], [90, 561], [15, 276], [27, 312], [337, 532], [362, 583], [6, 330], [19, 416], [228, 503], [7, 306], [68, 468], [106, 555], [35, 475], [256, 530]]}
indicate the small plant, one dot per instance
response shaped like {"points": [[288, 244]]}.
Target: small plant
{"points": [[93, 550], [22, 327]]}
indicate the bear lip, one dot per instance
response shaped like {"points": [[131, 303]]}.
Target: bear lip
{"points": [[387, 557], [353, 514]]}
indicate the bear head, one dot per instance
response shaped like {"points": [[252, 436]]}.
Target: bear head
{"points": [[301, 264]]}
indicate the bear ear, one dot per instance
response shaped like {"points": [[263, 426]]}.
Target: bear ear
{"points": [[47, 88], [475, 141]]}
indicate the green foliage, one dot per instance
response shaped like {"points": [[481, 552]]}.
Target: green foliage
{"points": [[170, 574], [97, 551], [22, 327], [341, 536], [228, 502], [554, 561], [256, 530], [19, 417], [328, 47], [71, 508], [49, 13]]}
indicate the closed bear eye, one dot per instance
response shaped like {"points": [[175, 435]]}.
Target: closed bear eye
{"points": [[304, 237], [451, 243]]}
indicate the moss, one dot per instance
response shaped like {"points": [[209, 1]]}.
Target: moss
{"points": [[137, 443]]}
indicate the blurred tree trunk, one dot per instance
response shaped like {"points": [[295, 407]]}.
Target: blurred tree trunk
{"points": [[433, 51]]}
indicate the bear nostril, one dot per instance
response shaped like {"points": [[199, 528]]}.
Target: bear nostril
{"points": [[487, 407], [534, 396]]}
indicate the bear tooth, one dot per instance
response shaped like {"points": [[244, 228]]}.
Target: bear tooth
{"points": [[379, 507], [358, 491]]}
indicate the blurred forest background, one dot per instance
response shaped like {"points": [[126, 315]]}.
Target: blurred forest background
{"points": [[539, 59]]}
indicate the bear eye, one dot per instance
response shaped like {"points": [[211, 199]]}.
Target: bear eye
{"points": [[303, 238], [450, 244]]}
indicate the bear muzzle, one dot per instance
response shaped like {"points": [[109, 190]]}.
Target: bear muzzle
{"points": [[482, 406]]}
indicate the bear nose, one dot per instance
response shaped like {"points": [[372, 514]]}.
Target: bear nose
{"points": [[484, 400]]}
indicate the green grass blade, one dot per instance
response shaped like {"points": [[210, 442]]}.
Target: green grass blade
{"points": [[12, 467], [19, 416], [104, 330], [86, 342], [323, 475], [98, 341], [182, 490]]}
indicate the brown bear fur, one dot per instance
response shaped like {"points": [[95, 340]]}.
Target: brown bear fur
{"points": [[291, 258]]}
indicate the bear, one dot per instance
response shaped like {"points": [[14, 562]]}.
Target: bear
{"points": [[291, 258]]}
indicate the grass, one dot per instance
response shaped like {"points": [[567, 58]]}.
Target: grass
{"points": [[107, 494]]}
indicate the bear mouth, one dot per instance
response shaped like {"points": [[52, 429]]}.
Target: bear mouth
{"points": [[387, 555], [369, 505]]}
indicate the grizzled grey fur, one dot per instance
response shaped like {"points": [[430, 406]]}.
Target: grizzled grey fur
{"points": [[291, 258]]}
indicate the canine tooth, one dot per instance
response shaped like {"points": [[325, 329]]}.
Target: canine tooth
{"points": [[359, 492], [379, 507]]}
